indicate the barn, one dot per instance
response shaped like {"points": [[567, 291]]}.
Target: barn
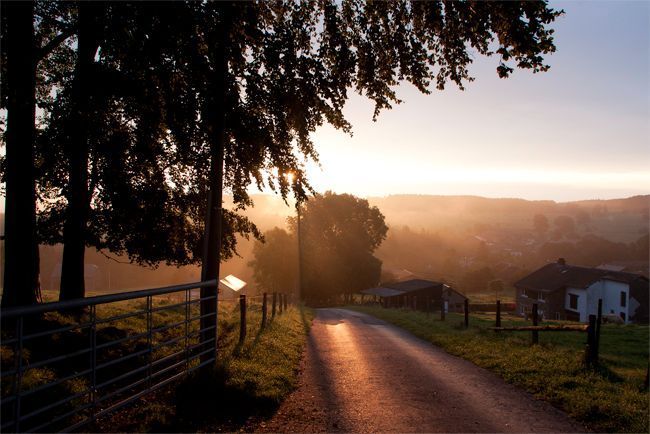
{"points": [[418, 294]]}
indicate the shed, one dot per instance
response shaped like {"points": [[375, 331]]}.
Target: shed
{"points": [[418, 294]]}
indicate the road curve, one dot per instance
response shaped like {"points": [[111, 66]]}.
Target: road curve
{"points": [[361, 374]]}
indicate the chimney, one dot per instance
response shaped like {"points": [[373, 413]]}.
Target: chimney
{"points": [[561, 261]]}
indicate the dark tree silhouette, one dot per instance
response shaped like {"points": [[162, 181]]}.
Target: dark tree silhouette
{"points": [[27, 47], [564, 225], [540, 222], [193, 98]]}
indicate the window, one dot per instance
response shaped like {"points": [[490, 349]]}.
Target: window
{"points": [[573, 301], [623, 298], [557, 316]]}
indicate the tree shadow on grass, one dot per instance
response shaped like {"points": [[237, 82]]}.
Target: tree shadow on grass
{"points": [[204, 401]]}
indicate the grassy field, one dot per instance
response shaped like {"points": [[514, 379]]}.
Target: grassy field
{"points": [[249, 379], [609, 399]]}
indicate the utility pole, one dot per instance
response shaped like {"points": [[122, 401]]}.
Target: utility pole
{"points": [[299, 251]]}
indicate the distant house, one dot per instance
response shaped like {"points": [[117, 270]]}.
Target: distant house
{"points": [[419, 293], [569, 292]]}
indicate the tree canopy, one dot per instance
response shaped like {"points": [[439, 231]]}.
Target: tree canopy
{"points": [[339, 234], [275, 263], [147, 109]]}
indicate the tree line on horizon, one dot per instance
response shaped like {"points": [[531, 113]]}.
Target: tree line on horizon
{"points": [[125, 122]]}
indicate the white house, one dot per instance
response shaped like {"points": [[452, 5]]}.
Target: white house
{"points": [[570, 292]]}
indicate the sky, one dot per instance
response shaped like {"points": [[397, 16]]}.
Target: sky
{"points": [[579, 131]]}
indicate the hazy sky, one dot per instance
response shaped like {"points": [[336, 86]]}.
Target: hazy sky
{"points": [[579, 131]]}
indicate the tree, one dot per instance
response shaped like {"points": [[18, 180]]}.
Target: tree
{"points": [[582, 218], [339, 234], [200, 97], [477, 279], [25, 50], [564, 226], [540, 223], [275, 262]]}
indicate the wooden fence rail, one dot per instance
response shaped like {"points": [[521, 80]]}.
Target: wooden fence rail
{"points": [[592, 329]]}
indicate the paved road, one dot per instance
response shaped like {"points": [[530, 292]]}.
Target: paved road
{"points": [[361, 374]]}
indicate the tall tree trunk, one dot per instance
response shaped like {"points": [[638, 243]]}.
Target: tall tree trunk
{"points": [[216, 119], [77, 150], [21, 246]]}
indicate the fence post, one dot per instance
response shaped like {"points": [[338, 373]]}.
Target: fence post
{"points": [[264, 309], [498, 324], [593, 351], [599, 320], [466, 312], [149, 337], [275, 302], [535, 333], [591, 341], [242, 318], [442, 310], [286, 301], [280, 302], [415, 302]]}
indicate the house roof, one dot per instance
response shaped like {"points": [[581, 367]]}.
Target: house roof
{"points": [[382, 292], [413, 285], [554, 276]]}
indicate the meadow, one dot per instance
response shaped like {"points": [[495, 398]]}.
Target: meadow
{"points": [[610, 398]]}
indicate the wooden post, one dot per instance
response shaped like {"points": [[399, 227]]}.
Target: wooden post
{"points": [[442, 311], [498, 323], [280, 302], [535, 333], [466, 312], [415, 302], [242, 319], [591, 341], [599, 320], [275, 303], [286, 301], [264, 310]]}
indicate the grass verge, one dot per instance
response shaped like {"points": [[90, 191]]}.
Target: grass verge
{"points": [[609, 399], [249, 379]]}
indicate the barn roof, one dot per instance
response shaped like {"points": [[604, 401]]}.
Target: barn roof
{"points": [[557, 275], [413, 285], [382, 292]]}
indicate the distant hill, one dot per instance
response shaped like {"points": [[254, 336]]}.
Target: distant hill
{"points": [[616, 219], [428, 233]]}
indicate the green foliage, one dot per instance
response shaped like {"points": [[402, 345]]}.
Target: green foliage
{"points": [[275, 267], [137, 121], [610, 399], [339, 234]]}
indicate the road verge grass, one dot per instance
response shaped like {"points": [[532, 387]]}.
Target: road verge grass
{"points": [[609, 399], [248, 379]]}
